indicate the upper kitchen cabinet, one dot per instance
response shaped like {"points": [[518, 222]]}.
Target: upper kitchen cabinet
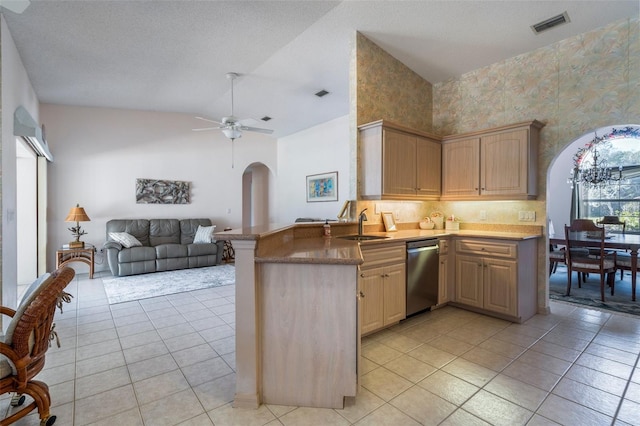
{"points": [[398, 163], [499, 163]]}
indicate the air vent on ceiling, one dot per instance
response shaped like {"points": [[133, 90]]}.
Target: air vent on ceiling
{"points": [[322, 93], [547, 24], [265, 118]]}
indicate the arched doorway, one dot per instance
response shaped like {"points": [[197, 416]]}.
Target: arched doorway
{"points": [[559, 191], [256, 193], [563, 203]]}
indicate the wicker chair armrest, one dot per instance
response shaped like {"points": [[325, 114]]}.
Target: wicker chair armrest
{"points": [[9, 352], [7, 311]]}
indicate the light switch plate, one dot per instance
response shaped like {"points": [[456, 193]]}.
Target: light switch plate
{"points": [[527, 216]]}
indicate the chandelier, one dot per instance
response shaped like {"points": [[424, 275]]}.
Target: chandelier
{"points": [[590, 169]]}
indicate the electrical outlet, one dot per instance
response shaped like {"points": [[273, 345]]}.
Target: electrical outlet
{"points": [[483, 215]]}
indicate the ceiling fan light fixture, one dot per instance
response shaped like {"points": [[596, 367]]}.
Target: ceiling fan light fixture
{"points": [[232, 133]]}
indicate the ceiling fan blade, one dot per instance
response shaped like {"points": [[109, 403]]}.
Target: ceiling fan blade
{"points": [[209, 120], [206, 128], [16, 6], [256, 129]]}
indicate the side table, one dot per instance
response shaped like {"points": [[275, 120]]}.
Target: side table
{"points": [[84, 254]]}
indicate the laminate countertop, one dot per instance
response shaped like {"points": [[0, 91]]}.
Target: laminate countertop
{"points": [[336, 250]]}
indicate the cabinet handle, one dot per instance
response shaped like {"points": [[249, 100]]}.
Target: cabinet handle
{"points": [[386, 275], [362, 275], [362, 294]]}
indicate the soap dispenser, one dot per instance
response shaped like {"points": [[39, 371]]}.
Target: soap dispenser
{"points": [[327, 229]]}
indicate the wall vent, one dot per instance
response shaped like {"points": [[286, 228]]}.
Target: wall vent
{"points": [[322, 93], [547, 24], [265, 118]]}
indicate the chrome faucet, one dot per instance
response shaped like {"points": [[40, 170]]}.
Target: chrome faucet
{"points": [[361, 218]]}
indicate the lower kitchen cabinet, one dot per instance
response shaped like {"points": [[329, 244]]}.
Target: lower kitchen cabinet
{"points": [[497, 277], [444, 274], [382, 285]]}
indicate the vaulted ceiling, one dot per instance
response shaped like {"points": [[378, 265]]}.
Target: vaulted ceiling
{"points": [[173, 55]]}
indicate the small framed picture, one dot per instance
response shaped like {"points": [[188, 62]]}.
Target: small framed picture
{"points": [[322, 187], [389, 221]]}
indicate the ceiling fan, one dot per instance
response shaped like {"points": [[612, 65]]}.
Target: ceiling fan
{"points": [[230, 125], [15, 6]]}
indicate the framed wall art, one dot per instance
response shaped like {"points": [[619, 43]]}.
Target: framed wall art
{"points": [[157, 191], [322, 187]]}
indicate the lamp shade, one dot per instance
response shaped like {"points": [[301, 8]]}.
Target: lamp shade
{"points": [[77, 214]]}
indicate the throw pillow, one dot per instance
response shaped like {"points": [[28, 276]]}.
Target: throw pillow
{"points": [[127, 240], [204, 234]]}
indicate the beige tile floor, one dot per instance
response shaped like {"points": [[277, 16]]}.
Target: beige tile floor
{"points": [[170, 361]]}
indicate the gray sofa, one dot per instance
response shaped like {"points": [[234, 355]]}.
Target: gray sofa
{"points": [[166, 244]]}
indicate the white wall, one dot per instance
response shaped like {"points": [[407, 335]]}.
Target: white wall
{"points": [[99, 153], [320, 149], [16, 91]]}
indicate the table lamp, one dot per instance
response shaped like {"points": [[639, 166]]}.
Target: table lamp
{"points": [[77, 215]]}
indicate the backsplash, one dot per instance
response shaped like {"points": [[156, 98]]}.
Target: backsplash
{"points": [[479, 212]]}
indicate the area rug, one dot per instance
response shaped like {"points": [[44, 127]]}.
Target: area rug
{"points": [[143, 286], [589, 294]]}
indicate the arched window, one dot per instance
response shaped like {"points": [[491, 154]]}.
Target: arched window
{"points": [[606, 177]]}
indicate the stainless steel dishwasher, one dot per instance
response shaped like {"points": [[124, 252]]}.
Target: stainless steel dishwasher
{"points": [[422, 274]]}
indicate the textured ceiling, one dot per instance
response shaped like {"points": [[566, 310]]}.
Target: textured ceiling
{"points": [[173, 55]]}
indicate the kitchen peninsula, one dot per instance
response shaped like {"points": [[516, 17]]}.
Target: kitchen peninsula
{"points": [[297, 308]]}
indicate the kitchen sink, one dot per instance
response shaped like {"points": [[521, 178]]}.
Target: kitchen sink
{"points": [[362, 237]]}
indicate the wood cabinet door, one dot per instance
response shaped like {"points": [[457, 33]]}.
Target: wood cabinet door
{"points": [[428, 167], [461, 168], [443, 280], [395, 294], [505, 160], [500, 286], [469, 280], [371, 284], [399, 163]]}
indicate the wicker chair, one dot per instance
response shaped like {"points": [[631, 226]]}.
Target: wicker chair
{"points": [[28, 336]]}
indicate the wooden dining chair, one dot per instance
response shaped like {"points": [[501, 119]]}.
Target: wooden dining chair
{"points": [[584, 233], [623, 263], [556, 255], [613, 221]]}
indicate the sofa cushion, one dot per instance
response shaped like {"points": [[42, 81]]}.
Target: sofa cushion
{"points": [[189, 227], [164, 231], [139, 228], [202, 249], [136, 254], [125, 239], [204, 234], [168, 251], [172, 263]]}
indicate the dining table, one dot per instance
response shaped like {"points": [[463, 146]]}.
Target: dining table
{"points": [[627, 242]]}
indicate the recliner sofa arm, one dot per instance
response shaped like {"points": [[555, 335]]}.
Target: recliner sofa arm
{"points": [[112, 245], [220, 252], [111, 248]]}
